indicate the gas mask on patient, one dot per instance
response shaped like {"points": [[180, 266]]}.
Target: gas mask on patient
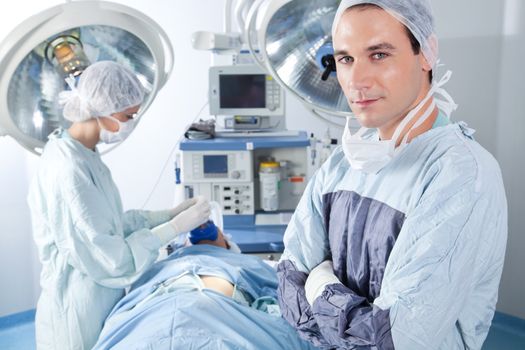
{"points": [[209, 231], [205, 232]]}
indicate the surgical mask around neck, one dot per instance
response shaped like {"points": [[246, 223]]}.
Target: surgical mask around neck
{"points": [[124, 130], [371, 156]]}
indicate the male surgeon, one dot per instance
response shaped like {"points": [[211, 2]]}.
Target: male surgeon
{"points": [[399, 239]]}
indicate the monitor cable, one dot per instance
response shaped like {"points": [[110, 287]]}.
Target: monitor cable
{"points": [[170, 156]]}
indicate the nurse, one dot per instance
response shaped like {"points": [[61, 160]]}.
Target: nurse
{"points": [[399, 239], [90, 249]]}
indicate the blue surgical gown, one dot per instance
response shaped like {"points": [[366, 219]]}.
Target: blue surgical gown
{"points": [[418, 248], [89, 248]]}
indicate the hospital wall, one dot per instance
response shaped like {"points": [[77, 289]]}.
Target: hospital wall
{"points": [[481, 41]]}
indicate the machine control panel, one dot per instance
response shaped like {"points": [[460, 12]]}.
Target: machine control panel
{"points": [[273, 94], [217, 166], [235, 199]]}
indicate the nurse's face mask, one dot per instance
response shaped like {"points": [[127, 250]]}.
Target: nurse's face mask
{"points": [[370, 155], [124, 130]]}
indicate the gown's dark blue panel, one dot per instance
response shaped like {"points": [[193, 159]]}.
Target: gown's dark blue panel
{"points": [[362, 233]]}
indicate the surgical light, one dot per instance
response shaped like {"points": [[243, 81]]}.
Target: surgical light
{"points": [[295, 41], [63, 40], [67, 55]]}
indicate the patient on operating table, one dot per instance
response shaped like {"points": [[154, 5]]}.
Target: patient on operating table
{"points": [[204, 295], [209, 233]]}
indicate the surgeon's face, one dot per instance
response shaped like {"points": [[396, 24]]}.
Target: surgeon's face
{"points": [[378, 71]]}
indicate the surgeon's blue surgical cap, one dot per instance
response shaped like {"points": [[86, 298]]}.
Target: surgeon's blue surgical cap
{"points": [[104, 88], [416, 15]]}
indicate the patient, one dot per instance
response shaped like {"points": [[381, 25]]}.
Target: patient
{"points": [[202, 296], [209, 233]]}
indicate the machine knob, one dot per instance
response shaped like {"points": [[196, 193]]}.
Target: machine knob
{"points": [[236, 192], [237, 201], [236, 174], [237, 211]]}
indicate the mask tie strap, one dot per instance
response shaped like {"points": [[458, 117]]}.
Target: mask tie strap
{"points": [[447, 105], [411, 115], [65, 96], [420, 121], [435, 89]]}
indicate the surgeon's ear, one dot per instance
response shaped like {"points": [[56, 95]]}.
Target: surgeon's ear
{"points": [[424, 63], [426, 68], [432, 49]]}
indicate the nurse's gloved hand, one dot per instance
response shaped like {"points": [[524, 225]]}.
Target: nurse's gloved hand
{"points": [[193, 216], [183, 206], [320, 277], [189, 218]]}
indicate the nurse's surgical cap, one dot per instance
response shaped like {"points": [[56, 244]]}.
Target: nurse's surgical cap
{"points": [[416, 15], [104, 88]]}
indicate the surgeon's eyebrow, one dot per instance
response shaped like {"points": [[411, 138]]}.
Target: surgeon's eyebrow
{"points": [[377, 47], [381, 46]]}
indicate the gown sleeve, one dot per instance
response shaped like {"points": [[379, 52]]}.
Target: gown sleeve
{"points": [[93, 238], [134, 220]]}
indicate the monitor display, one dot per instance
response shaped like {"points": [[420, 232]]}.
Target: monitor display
{"points": [[242, 91], [215, 164]]}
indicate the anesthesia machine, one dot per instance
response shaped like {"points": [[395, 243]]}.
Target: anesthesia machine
{"points": [[253, 164], [257, 181], [255, 168]]}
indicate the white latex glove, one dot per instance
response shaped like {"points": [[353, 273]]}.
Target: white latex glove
{"points": [[193, 216], [321, 276], [156, 217], [183, 206], [186, 220]]}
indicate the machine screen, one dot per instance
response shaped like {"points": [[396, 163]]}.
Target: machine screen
{"points": [[216, 164], [242, 91]]}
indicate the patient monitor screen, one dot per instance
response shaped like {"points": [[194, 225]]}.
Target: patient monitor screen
{"points": [[242, 91], [215, 165]]}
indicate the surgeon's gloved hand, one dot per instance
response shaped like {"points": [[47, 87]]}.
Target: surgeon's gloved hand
{"points": [[320, 277], [189, 218]]}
